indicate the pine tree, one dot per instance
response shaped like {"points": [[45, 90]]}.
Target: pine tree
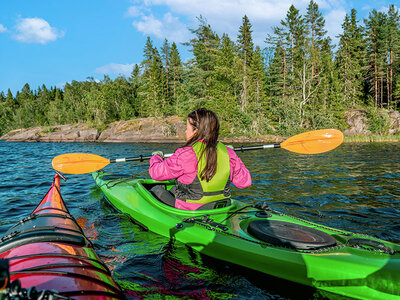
{"points": [[259, 108], [76, 101], [277, 69], [158, 87], [226, 88], [293, 39], [25, 113], [245, 49], [148, 53], [43, 97], [166, 61], [285, 69], [135, 82], [3, 113], [376, 55], [56, 109], [200, 75], [393, 40], [151, 92], [176, 78], [315, 76], [350, 60], [11, 102], [9, 108]]}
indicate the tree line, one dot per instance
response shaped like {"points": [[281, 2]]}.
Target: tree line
{"points": [[299, 81]]}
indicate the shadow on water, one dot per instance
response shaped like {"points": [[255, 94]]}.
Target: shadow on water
{"points": [[350, 188]]}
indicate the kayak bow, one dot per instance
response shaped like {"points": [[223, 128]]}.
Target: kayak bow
{"points": [[48, 254], [259, 238]]}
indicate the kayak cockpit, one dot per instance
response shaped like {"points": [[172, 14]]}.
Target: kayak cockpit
{"points": [[258, 224], [163, 192], [250, 222]]}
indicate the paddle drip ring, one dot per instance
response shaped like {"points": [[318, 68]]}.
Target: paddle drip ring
{"points": [[360, 243]]}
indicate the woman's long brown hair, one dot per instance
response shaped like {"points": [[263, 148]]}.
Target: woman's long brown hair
{"points": [[207, 125]]}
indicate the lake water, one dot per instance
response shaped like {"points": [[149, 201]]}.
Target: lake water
{"points": [[355, 187]]}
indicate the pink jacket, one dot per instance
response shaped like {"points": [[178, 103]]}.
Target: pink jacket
{"points": [[182, 165]]}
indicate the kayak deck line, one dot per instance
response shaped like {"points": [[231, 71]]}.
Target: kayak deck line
{"points": [[49, 208], [65, 274], [43, 228], [204, 221], [33, 217], [222, 229], [48, 255], [60, 255], [60, 265], [263, 239]]}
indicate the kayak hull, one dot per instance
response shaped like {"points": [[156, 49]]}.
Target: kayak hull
{"points": [[48, 251], [336, 261]]}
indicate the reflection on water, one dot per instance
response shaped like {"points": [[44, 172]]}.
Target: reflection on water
{"points": [[354, 187]]}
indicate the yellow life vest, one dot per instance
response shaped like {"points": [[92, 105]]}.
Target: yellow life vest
{"points": [[201, 191]]}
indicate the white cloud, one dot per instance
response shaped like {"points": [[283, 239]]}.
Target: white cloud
{"points": [[385, 9], [36, 30], [333, 23], [224, 16], [2, 28], [149, 25], [133, 12], [116, 69], [61, 85], [331, 4], [169, 27], [230, 10]]}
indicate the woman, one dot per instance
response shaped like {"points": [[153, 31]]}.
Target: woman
{"points": [[204, 167]]}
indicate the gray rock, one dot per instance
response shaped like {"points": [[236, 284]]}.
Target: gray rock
{"points": [[357, 121], [171, 130]]}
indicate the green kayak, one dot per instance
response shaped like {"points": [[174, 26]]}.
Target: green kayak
{"points": [[259, 238]]}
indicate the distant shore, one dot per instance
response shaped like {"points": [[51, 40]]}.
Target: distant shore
{"points": [[148, 130], [155, 130]]}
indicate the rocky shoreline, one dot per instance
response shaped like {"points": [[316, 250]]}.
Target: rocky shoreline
{"points": [[166, 130], [148, 130]]}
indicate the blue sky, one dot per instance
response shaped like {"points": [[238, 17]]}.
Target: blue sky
{"points": [[52, 42]]}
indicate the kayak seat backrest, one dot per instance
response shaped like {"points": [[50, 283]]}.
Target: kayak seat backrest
{"points": [[43, 228], [160, 192], [290, 235]]}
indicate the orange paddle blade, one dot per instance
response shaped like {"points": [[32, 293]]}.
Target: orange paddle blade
{"points": [[79, 163], [312, 142]]}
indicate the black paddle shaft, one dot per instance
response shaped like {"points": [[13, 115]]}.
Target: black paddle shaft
{"points": [[137, 158], [259, 147], [241, 148]]}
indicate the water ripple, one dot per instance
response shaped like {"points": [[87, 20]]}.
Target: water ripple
{"points": [[350, 188]]}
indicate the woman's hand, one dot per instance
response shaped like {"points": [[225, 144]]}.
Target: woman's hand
{"points": [[159, 153]]}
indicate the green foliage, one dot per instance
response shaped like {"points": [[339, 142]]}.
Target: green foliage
{"points": [[350, 60], [295, 84], [378, 121]]}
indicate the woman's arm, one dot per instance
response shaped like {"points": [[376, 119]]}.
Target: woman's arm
{"points": [[240, 176], [175, 166]]}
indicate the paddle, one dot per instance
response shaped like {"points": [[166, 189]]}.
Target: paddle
{"points": [[312, 142]]}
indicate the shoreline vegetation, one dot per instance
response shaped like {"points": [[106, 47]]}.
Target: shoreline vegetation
{"points": [[371, 138], [297, 81], [167, 130]]}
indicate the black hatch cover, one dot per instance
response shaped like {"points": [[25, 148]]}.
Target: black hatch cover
{"points": [[290, 235]]}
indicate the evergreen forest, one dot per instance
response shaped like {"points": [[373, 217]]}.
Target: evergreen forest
{"points": [[297, 81]]}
